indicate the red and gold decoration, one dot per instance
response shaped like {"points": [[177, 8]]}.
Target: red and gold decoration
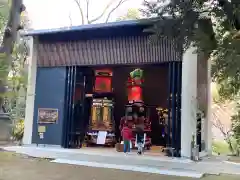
{"points": [[162, 117], [134, 93], [103, 81], [136, 110], [102, 108], [102, 115], [134, 85]]}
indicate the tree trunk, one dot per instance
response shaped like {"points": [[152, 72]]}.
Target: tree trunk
{"points": [[9, 39]]}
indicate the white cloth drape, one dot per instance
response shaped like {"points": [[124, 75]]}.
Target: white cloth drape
{"points": [[144, 139]]}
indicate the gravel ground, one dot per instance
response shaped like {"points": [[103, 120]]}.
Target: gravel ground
{"points": [[17, 167]]}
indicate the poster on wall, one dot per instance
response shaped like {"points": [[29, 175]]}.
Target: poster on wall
{"points": [[47, 115], [101, 138]]}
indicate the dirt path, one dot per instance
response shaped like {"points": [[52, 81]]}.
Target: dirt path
{"points": [[16, 167], [234, 159]]}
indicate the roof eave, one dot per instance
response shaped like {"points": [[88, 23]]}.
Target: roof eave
{"points": [[88, 27]]}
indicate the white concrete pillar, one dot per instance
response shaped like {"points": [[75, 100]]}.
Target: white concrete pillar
{"points": [[29, 112], [189, 100], [208, 123]]}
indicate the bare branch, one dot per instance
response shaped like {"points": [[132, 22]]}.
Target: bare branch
{"points": [[80, 9], [227, 135], [220, 129], [104, 12], [70, 19], [110, 13], [218, 124], [87, 9]]}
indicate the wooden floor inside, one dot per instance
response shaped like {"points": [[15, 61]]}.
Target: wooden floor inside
{"points": [[154, 151]]}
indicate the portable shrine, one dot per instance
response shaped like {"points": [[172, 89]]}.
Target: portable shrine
{"points": [[102, 108], [135, 109]]}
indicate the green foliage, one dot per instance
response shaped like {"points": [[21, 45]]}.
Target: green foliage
{"points": [[4, 8], [225, 58], [215, 93], [17, 81], [227, 147], [220, 147], [12, 76], [18, 130], [183, 21], [132, 14], [3, 69], [236, 129], [186, 22], [213, 26]]}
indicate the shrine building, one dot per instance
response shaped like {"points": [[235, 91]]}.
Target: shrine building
{"points": [[77, 87]]}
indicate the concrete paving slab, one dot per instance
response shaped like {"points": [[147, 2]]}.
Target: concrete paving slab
{"points": [[145, 169], [205, 167]]}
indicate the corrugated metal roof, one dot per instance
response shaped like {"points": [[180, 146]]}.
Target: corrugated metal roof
{"points": [[89, 27], [109, 51]]}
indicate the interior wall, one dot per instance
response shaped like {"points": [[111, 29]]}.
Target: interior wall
{"points": [[154, 91]]}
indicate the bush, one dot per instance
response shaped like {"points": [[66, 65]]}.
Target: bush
{"points": [[236, 129], [220, 147], [18, 130]]}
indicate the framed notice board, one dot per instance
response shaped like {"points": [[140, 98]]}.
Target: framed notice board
{"points": [[47, 116]]}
